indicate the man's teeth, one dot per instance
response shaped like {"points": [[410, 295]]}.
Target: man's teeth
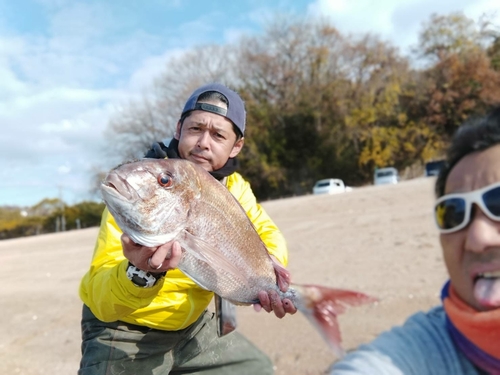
{"points": [[490, 274]]}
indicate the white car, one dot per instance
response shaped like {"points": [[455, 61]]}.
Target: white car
{"points": [[330, 186], [385, 176]]}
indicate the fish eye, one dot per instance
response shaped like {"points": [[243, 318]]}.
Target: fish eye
{"points": [[165, 180]]}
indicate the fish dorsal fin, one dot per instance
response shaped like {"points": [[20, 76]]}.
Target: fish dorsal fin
{"points": [[205, 252]]}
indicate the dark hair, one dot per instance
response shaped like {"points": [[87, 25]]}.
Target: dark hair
{"points": [[212, 96], [475, 135]]}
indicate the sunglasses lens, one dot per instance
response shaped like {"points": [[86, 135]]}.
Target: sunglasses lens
{"points": [[491, 200], [450, 213]]}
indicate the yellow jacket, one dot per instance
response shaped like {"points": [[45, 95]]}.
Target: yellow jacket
{"points": [[176, 301]]}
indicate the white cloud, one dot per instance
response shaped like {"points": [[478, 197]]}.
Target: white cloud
{"points": [[11, 85], [58, 92], [396, 20], [34, 101], [357, 15], [64, 169], [82, 22], [232, 35], [150, 68]]}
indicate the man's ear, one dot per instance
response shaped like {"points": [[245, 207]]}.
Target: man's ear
{"points": [[237, 147], [177, 134]]}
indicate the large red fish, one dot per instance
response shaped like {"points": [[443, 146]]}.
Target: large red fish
{"points": [[156, 201]]}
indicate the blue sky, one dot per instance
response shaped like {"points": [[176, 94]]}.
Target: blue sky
{"points": [[67, 66]]}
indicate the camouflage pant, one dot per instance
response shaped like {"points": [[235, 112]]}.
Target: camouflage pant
{"points": [[127, 349]]}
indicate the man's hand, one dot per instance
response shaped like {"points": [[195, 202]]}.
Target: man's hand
{"points": [[152, 259], [270, 301]]}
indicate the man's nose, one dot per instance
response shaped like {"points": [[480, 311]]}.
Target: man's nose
{"points": [[482, 232], [204, 140]]}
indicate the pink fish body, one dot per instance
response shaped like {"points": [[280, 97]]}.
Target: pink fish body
{"points": [[156, 201]]}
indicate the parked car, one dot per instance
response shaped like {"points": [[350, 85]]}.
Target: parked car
{"points": [[385, 176], [432, 168], [330, 186]]}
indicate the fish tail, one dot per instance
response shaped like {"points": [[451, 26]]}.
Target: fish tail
{"points": [[321, 305]]}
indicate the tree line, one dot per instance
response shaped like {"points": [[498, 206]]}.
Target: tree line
{"points": [[47, 216], [322, 104]]}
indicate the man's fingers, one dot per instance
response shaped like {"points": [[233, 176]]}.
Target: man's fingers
{"points": [[289, 306], [157, 259], [166, 257], [174, 254], [257, 307], [264, 301], [276, 304], [271, 301]]}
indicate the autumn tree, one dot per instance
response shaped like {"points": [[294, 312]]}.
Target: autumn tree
{"points": [[494, 53], [446, 35], [293, 77], [376, 121], [325, 105], [462, 82]]}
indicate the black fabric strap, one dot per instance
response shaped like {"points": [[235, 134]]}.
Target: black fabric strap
{"points": [[210, 108]]}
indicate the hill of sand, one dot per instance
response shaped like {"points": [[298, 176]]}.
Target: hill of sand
{"points": [[376, 239]]}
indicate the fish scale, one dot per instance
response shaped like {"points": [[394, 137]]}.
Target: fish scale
{"points": [[228, 242]]}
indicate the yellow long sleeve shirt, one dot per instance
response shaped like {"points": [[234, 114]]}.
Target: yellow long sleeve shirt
{"points": [[175, 302]]}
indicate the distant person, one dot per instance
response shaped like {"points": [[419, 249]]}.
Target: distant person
{"points": [[142, 315], [462, 335]]}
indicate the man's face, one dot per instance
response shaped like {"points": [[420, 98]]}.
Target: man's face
{"points": [[208, 139], [472, 255]]}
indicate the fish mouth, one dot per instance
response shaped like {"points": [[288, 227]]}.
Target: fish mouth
{"points": [[118, 187]]}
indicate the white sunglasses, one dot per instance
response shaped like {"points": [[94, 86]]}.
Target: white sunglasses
{"points": [[452, 212]]}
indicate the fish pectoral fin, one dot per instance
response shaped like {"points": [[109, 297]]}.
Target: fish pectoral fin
{"points": [[205, 252]]}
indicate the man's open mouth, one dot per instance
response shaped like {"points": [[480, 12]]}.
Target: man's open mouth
{"points": [[487, 288]]}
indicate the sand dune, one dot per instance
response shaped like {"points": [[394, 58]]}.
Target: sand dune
{"points": [[377, 239]]}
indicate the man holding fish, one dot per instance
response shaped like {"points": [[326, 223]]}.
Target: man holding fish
{"points": [[141, 314]]}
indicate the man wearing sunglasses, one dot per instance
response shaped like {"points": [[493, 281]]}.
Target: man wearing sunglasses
{"points": [[462, 335]]}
